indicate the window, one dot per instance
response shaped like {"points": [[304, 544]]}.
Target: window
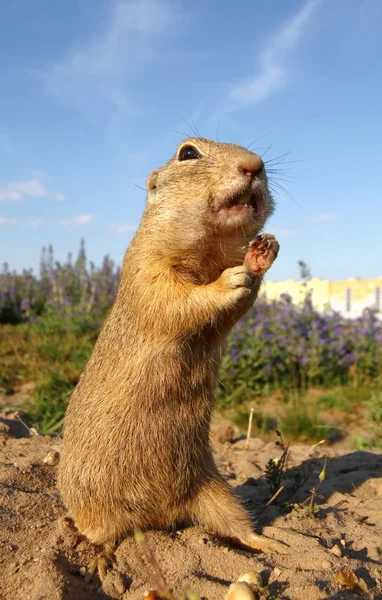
{"points": [[348, 299], [378, 299]]}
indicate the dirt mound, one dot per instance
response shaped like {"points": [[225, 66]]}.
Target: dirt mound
{"points": [[41, 554]]}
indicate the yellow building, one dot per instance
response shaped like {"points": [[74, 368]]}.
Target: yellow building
{"points": [[349, 297]]}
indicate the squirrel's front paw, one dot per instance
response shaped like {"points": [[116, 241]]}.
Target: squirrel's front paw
{"points": [[238, 278], [261, 254]]}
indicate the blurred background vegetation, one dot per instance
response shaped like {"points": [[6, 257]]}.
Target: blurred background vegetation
{"points": [[311, 375]]}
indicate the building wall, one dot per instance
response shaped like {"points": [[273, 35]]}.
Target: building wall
{"points": [[349, 297]]}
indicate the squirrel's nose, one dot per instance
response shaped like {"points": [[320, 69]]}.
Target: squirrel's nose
{"points": [[251, 164]]}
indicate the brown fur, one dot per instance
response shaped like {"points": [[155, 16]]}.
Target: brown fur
{"points": [[136, 450]]}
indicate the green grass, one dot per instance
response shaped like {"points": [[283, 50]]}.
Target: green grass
{"points": [[338, 398], [261, 424], [373, 439], [50, 402], [53, 353], [304, 423]]}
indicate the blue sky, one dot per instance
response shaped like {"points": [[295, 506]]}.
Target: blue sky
{"points": [[95, 95]]}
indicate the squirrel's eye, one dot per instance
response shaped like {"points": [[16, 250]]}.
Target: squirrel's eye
{"points": [[188, 153]]}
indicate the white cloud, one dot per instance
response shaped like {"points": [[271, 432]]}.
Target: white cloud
{"points": [[36, 222], [16, 221], [93, 77], [32, 188], [125, 228], [8, 221], [80, 220], [273, 69], [18, 189], [324, 218]]}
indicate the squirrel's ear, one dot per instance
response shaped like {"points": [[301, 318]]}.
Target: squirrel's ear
{"points": [[151, 183]]}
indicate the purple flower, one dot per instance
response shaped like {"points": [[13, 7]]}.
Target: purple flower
{"points": [[25, 304]]}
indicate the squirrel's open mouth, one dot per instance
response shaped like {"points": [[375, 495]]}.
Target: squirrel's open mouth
{"points": [[242, 203]]}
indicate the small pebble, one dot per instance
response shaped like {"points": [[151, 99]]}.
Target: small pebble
{"points": [[34, 431], [336, 550], [52, 458], [276, 571], [239, 591], [254, 580], [82, 571]]}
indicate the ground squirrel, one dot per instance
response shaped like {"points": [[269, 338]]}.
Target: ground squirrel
{"points": [[136, 451]]}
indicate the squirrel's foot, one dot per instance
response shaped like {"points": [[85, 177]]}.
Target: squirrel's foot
{"points": [[260, 543], [101, 563]]}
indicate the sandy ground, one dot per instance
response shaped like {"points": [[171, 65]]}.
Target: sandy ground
{"points": [[41, 556]]}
